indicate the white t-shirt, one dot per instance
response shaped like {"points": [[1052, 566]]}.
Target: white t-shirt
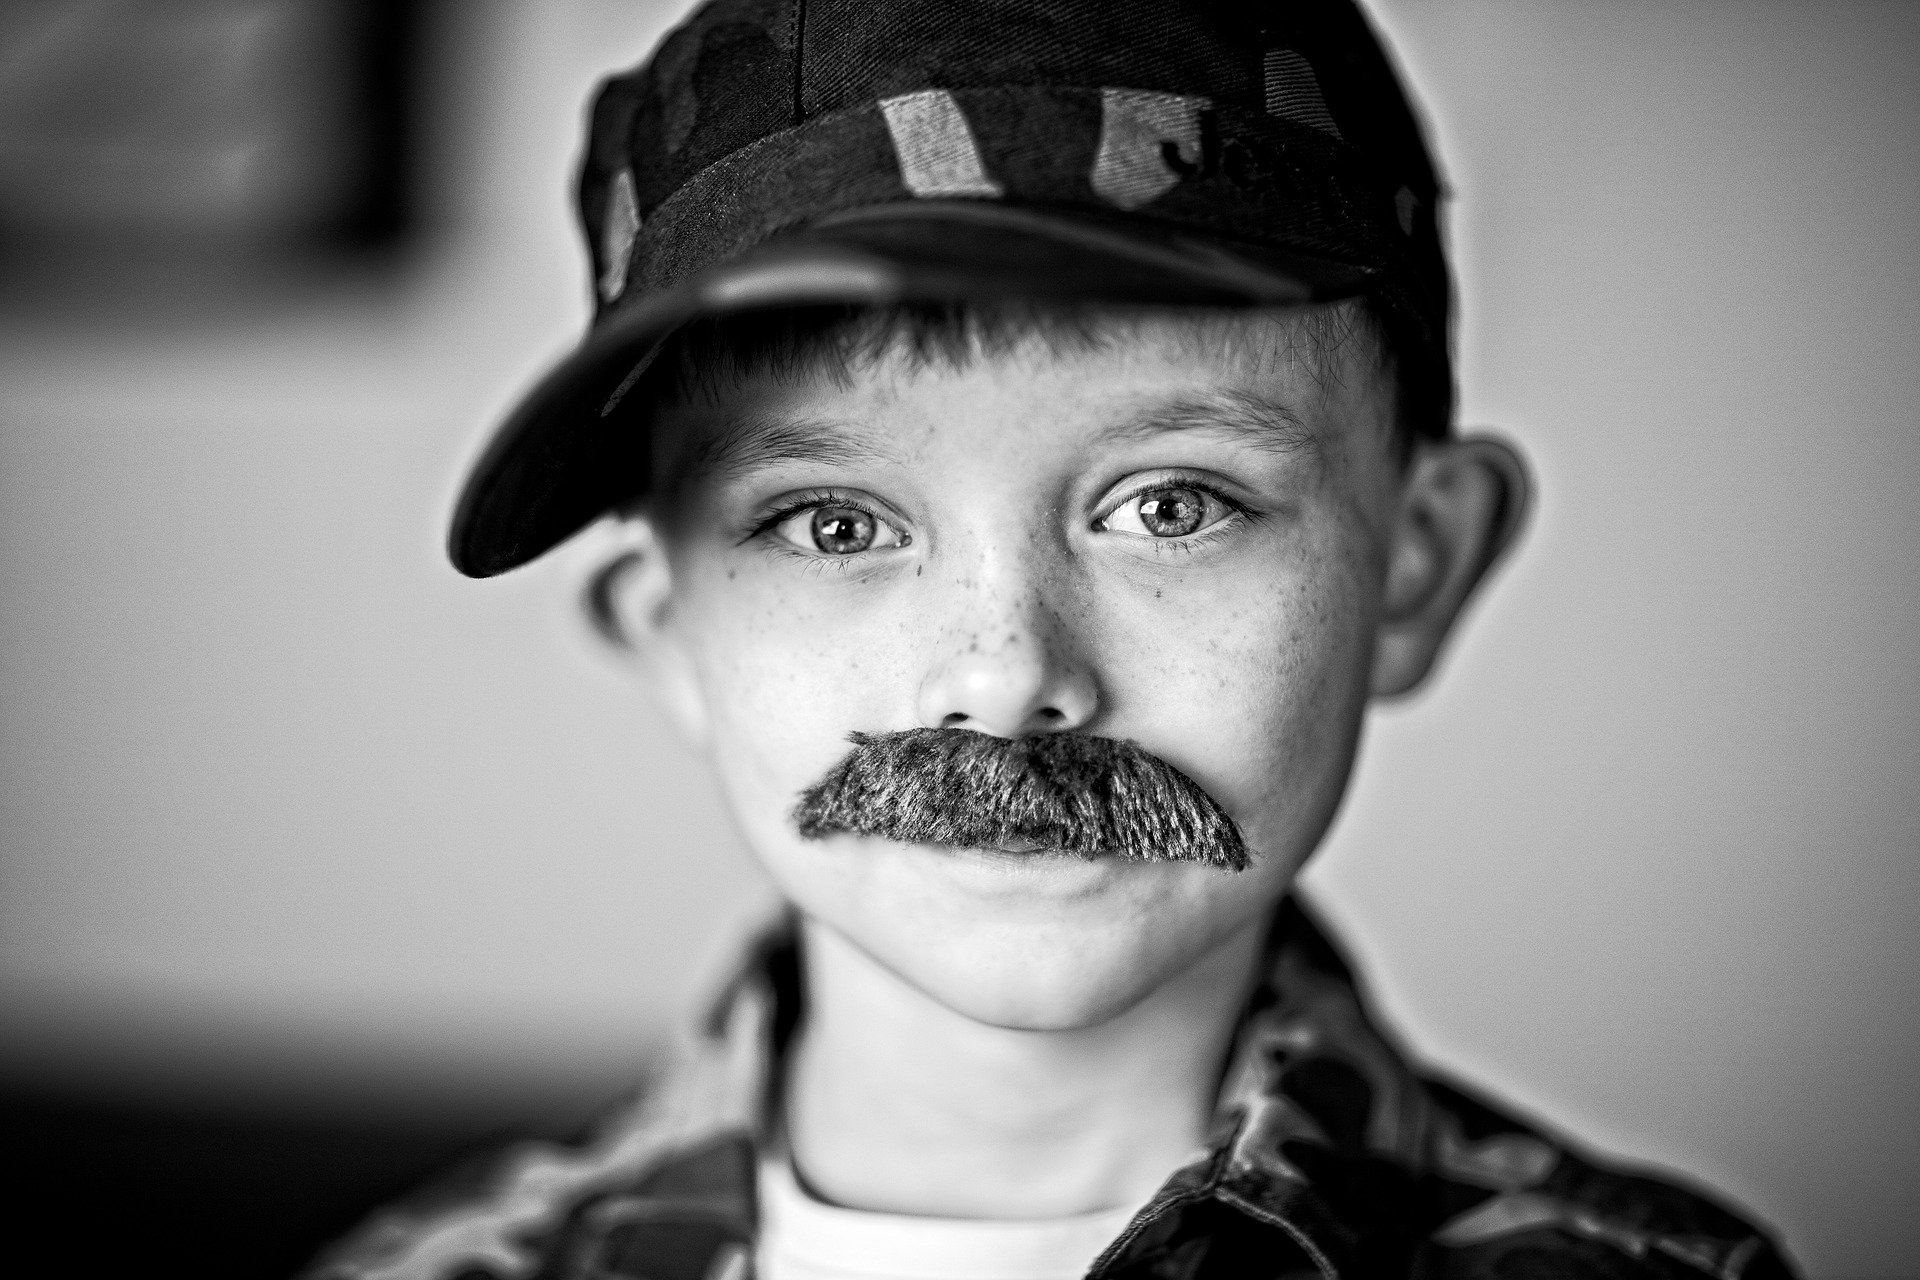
{"points": [[804, 1239]]}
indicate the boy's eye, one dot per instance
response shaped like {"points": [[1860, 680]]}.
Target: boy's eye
{"points": [[1171, 511], [838, 531]]}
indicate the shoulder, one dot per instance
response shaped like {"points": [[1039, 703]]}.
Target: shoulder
{"points": [[541, 1210], [1509, 1200], [1415, 1174], [666, 1175]]}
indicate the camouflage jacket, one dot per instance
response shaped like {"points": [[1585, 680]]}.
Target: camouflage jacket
{"points": [[1330, 1157]]}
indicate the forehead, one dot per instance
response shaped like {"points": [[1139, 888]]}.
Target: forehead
{"points": [[709, 358], [733, 390]]}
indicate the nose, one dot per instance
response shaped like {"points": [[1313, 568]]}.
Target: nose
{"points": [[1007, 664]]}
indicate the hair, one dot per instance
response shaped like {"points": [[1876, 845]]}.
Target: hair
{"points": [[707, 357]]}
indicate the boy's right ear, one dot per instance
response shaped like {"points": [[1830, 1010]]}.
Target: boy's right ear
{"points": [[626, 599]]}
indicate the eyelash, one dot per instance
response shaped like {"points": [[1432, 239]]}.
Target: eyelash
{"points": [[1193, 541], [806, 502]]}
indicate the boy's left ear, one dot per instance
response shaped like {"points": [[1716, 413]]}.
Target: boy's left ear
{"points": [[1461, 507], [626, 599]]}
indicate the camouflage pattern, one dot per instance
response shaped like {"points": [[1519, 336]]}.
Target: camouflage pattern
{"points": [[1330, 1156]]}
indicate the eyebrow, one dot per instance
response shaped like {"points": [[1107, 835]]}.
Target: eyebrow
{"points": [[755, 441], [1240, 416]]}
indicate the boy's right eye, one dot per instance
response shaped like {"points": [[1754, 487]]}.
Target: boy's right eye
{"points": [[837, 530]]}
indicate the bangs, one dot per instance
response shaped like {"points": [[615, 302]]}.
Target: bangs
{"points": [[710, 358]]}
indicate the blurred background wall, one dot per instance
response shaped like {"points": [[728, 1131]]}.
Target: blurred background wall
{"points": [[319, 864]]}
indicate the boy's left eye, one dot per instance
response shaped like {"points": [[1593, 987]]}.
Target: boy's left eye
{"points": [[836, 530], [1168, 511]]}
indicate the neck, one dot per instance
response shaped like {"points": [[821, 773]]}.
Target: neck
{"points": [[897, 1104]]}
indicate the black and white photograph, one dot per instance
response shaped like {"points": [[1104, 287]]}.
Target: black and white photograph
{"points": [[960, 639]]}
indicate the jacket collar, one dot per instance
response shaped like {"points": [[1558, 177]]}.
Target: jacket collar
{"points": [[1318, 1147], [1328, 1156], [1318, 1116]]}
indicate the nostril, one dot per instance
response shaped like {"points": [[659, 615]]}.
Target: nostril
{"points": [[1050, 715], [953, 720]]}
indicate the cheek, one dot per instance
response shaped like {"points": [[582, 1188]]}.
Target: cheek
{"points": [[784, 681], [1260, 690]]}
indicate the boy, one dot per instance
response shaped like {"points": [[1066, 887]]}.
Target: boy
{"points": [[1029, 428]]}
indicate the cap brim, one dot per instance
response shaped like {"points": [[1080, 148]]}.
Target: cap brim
{"points": [[564, 456]]}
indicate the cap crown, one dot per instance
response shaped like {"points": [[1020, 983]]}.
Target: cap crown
{"points": [[1304, 90]]}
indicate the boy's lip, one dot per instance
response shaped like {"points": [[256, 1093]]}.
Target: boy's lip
{"points": [[1026, 876], [1035, 854], [1014, 848]]}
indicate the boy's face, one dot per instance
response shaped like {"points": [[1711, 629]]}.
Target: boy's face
{"points": [[1162, 537]]}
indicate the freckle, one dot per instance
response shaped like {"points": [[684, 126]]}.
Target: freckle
{"points": [[919, 569], [732, 574]]}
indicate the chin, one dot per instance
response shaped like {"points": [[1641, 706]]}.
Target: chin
{"points": [[1063, 980], [1023, 1000]]}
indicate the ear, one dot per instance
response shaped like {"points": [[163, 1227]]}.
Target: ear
{"points": [[626, 598], [1461, 507]]}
